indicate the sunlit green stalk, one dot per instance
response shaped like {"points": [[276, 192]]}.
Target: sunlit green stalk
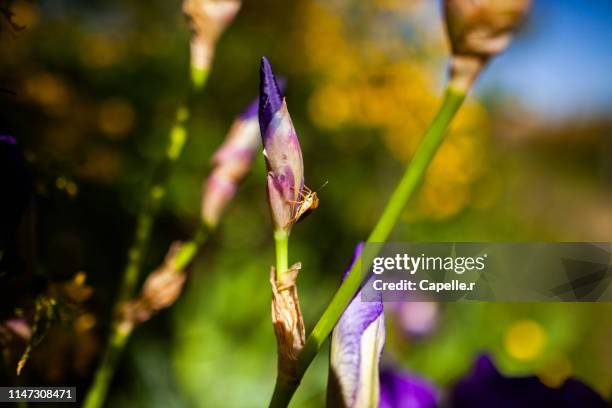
{"points": [[120, 332], [412, 177], [281, 239]]}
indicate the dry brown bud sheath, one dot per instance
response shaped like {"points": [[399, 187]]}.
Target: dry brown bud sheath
{"points": [[160, 290], [288, 322]]}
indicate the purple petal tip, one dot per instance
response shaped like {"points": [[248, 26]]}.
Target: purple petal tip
{"points": [[252, 110], [270, 96]]}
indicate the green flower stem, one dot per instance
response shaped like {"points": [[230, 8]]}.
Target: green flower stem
{"points": [[119, 332], [157, 191], [412, 177], [97, 392], [281, 239], [191, 248]]}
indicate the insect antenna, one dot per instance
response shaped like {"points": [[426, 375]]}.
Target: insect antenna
{"points": [[322, 185]]}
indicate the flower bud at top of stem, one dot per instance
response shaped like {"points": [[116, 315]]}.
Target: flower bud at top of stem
{"points": [[479, 30], [207, 20], [281, 150], [231, 163]]}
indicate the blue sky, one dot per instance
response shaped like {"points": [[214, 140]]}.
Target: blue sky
{"points": [[561, 65]]}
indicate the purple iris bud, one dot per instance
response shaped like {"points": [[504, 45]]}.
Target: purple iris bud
{"points": [[406, 390], [231, 163], [281, 150], [252, 110], [270, 96], [356, 346], [487, 387]]}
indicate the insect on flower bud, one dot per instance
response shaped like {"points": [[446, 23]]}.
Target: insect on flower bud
{"points": [[479, 30], [282, 152], [207, 20]]}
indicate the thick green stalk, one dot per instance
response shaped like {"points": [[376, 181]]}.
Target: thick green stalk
{"points": [[119, 332], [412, 177]]}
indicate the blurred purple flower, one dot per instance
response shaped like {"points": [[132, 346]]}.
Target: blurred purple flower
{"points": [[353, 380], [417, 319], [281, 150], [232, 162], [218, 192], [486, 387], [406, 391]]}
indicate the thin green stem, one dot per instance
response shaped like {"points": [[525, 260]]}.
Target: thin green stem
{"points": [[156, 193], [97, 393], [191, 248], [282, 252], [119, 333], [412, 177]]}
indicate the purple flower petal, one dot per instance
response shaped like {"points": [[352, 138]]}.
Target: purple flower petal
{"points": [[252, 110], [270, 96], [356, 345], [487, 387], [278, 186], [231, 163], [281, 150], [406, 391]]}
